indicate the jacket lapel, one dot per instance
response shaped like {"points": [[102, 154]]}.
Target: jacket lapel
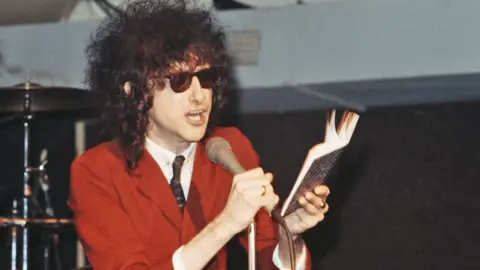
{"points": [[203, 199], [153, 184], [202, 196]]}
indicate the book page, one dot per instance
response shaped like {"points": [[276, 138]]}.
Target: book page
{"points": [[321, 158], [315, 175]]}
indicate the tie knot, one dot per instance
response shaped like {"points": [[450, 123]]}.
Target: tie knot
{"points": [[177, 164], [178, 161]]}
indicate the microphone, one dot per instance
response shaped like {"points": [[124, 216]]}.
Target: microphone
{"points": [[220, 152]]}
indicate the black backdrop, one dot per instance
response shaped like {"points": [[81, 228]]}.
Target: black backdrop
{"points": [[404, 196]]}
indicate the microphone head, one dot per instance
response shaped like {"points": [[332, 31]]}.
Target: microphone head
{"points": [[220, 152], [214, 148]]}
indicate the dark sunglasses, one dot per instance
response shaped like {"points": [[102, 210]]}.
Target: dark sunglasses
{"points": [[208, 78]]}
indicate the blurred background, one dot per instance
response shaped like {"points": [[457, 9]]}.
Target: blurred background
{"points": [[405, 191]]}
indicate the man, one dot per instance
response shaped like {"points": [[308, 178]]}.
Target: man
{"points": [[150, 198]]}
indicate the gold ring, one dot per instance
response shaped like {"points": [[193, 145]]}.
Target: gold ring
{"points": [[323, 204]]}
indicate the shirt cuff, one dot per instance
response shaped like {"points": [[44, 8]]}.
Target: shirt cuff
{"points": [[300, 260], [177, 261]]}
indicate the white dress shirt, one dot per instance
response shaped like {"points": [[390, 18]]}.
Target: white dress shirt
{"points": [[165, 158]]}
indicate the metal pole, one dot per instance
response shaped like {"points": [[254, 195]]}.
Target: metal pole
{"points": [[251, 246], [26, 174], [14, 236]]}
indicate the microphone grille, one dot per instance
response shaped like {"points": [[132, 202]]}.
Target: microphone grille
{"points": [[215, 146]]}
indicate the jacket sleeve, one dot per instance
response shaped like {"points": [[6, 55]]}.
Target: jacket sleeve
{"points": [[104, 229]]}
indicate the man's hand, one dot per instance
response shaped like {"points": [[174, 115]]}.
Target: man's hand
{"points": [[314, 208], [251, 191]]}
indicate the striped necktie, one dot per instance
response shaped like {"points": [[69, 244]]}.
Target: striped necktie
{"points": [[175, 182]]}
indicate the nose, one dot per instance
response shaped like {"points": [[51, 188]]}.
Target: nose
{"points": [[197, 94]]}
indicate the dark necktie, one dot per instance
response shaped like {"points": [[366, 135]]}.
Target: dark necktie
{"points": [[175, 182]]}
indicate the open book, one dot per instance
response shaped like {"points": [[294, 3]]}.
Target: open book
{"points": [[321, 158]]}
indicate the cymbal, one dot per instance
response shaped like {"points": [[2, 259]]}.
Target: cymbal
{"points": [[45, 99], [14, 221]]}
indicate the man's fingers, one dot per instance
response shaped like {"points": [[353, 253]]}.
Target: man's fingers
{"points": [[255, 188], [263, 179], [269, 176], [318, 201], [261, 190], [310, 208], [269, 201], [308, 219], [252, 183], [253, 173], [257, 202], [322, 191]]}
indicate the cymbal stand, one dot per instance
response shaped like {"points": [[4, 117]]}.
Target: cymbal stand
{"points": [[45, 186], [28, 116], [24, 205], [14, 237]]}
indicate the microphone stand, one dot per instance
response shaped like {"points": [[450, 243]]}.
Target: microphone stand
{"points": [[220, 152], [251, 246]]}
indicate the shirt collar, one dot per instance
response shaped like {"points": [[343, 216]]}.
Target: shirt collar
{"points": [[166, 157]]}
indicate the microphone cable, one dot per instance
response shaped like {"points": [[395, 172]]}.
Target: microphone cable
{"points": [[281, 221]]}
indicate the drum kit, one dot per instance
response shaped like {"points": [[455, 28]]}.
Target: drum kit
{"points": [[23, 102]]}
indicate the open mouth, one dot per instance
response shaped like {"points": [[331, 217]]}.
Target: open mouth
{"points": [[196, 117]]}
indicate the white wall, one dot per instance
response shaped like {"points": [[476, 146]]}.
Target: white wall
{"points": [[362, 40]]}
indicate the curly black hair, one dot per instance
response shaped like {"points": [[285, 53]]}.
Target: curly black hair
{"points": [[141, 44]]}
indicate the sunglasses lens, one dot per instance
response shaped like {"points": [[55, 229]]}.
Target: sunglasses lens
{"points": [[180, 82], [207, 78]]}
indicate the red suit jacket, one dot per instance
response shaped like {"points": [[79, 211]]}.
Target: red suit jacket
{"points": [[130, 220]]}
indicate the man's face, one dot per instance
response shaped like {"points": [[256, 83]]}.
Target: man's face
{"points": [[179, 117]]}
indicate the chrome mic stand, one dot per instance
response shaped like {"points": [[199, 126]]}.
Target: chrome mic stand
{"points": [[251, 246]]}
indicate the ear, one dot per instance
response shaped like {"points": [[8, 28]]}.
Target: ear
{"points": [[127, 88]]}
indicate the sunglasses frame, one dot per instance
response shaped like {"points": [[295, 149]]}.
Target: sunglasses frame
{"points": [[209, 78]]}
